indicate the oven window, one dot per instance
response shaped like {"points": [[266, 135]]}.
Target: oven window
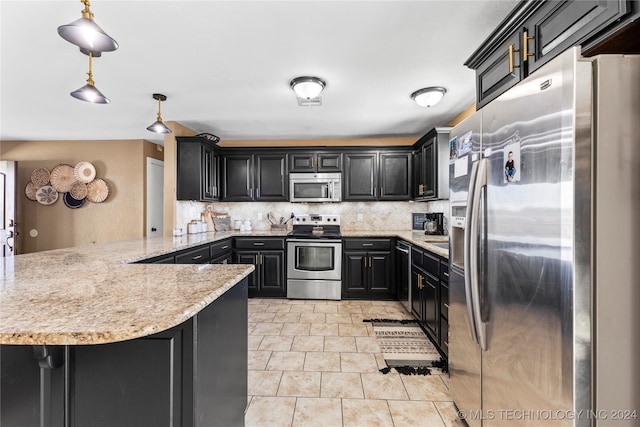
{"points": [[315, 258], [310, 190]]}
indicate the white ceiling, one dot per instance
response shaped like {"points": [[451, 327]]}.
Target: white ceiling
{"points": [[225, 66]]}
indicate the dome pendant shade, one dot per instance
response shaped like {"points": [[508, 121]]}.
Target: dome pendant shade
{"points": [[429, 96], [91, 94], [86, 34], [158, 126], [307, 87]]}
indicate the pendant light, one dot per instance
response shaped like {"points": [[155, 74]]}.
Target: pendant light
{"points": [[307, 87], [89, 92], [428, 96], [86, 34], [158, 126]]}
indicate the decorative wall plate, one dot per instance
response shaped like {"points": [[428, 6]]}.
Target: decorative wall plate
{"points": [[40, 177], [30, 191], [71, 202], [46, 195], [78, 190], [85, 172], [62, 176], [97, 190]]}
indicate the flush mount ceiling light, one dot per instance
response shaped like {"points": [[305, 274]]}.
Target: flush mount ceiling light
{"points": [[89, 92], [428, 96], [158, 126], [307, 87], [86, 34]]}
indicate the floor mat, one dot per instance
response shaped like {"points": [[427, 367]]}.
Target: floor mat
{"points": [[404, 344]]}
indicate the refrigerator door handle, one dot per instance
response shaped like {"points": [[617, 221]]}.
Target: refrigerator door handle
{"points": [[471, 318], [480, 183]]}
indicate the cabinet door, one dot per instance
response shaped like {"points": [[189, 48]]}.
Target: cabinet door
{"points": [[250, 257], [395, 176], [418, 174], [209, 181], [238, 178], [430, 169], [361, 176], [270, 174], [329, 162], [380, 273], [272, 272], [558, 25], [431, 314], [500, 71], [354, 281], [188, 170], [302, 162], [417, 301]]}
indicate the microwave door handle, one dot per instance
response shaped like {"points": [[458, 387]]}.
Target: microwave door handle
{"points": [[325, 190], [331, 191]]}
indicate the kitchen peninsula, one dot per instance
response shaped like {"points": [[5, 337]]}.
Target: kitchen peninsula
{"points": [[88, 338]]}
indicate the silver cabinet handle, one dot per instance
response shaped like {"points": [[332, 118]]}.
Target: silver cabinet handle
{"points": [[367, 244], [258, 243], [196, 257], [224, 247]]}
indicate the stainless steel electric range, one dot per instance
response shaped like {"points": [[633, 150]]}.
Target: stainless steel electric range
{"points": [[314, 257]]}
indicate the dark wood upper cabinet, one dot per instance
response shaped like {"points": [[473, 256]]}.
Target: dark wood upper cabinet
{"points": [[238, 177], [384, 175], [361, 176], [431, 165], [197, 170], [271, 179], [537, 31], [255, 177], [317, 161], [395, 176]]}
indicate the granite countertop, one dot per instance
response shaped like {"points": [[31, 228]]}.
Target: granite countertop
{"points": [[94, 295], [89, 295]]}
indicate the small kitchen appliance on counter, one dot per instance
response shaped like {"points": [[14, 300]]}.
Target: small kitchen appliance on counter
{"points": [[314, 257], [434, 223]]}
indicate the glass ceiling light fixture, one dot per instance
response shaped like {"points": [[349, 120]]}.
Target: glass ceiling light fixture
{"points": [[429, 96], [307, 87], [86, 34], [89, 92], [158, 126]]}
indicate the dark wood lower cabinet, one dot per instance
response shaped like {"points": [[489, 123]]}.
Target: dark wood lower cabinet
{"points": [[268, 279], [368, 275], [194, 375]]}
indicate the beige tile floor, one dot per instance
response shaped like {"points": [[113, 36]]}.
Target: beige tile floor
{"points": [[316, 363]]}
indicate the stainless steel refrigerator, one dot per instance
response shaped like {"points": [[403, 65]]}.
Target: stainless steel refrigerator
{"points": [[545, 252]]}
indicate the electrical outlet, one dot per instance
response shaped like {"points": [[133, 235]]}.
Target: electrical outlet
{"points": [[259, 216], [359, 217]]}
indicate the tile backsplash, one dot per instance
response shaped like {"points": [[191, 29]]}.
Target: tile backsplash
{"points": [[375, 215]]}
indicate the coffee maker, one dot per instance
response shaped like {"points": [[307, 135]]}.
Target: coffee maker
{"points": [[434, 223]]}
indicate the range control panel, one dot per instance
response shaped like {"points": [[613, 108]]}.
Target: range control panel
{"points": [[316, 219]]}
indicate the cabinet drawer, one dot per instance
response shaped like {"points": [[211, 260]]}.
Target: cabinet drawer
{"points": [[199, 255], [258, 243], [444, 271], [368, 244], [431, 265], [417, 257], [219, 248]]}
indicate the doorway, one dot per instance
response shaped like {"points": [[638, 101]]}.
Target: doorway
{"points": [[7, 208], [155, 197]]}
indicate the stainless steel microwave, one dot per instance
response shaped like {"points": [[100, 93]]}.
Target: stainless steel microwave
{"points": [[315, 187]]}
